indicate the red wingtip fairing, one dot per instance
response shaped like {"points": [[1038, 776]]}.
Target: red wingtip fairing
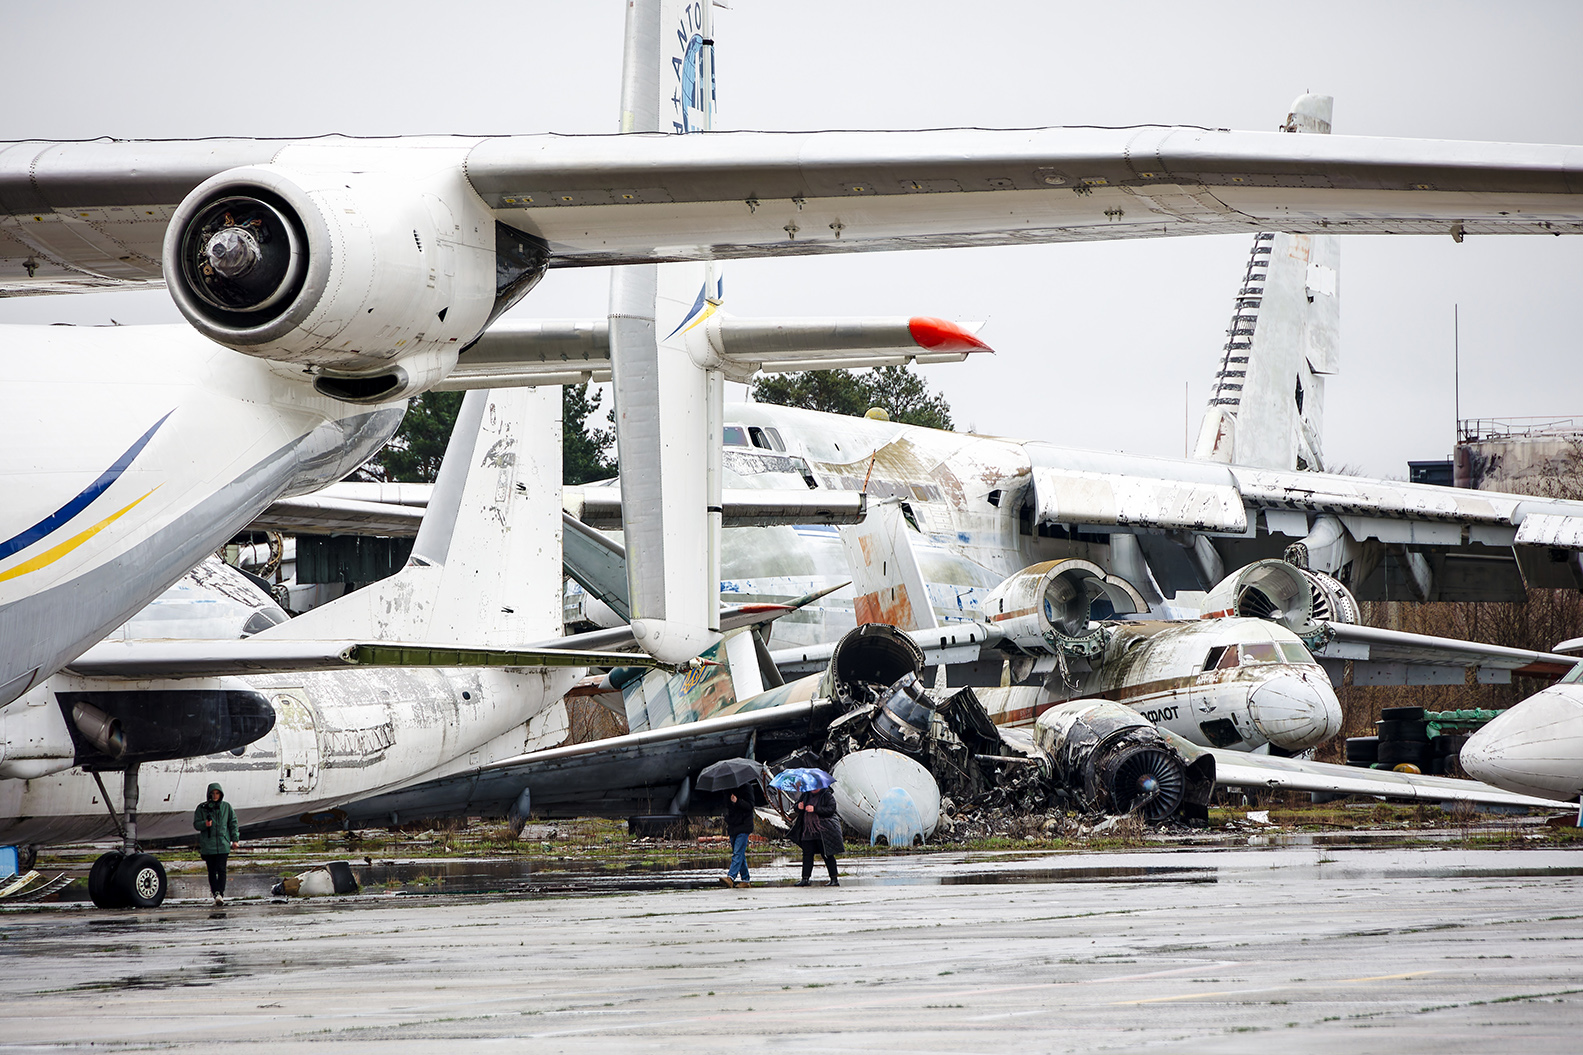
{"points": [[939, 335]]}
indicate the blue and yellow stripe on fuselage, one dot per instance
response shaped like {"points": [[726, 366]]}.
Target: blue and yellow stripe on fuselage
{"points": [[71, 509]]}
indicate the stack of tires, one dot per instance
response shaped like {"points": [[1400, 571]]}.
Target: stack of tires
{"points": [[1445, 753], [1403, 739], [1363, 751]]}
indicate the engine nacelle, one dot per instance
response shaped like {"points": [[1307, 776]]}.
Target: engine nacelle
{"points": [[1117, 760], [1048, 607], [373, 279], [1302, 601]]}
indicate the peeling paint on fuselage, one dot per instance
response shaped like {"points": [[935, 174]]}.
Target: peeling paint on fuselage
{"points": [[965, 543]]}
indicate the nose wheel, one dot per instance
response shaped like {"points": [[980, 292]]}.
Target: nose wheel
{"points": [[126, 878]]}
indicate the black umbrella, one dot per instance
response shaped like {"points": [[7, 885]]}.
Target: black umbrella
{"points": [[728, 774]]}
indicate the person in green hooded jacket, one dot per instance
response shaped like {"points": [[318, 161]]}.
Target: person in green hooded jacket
{"points": [[218, 835]]}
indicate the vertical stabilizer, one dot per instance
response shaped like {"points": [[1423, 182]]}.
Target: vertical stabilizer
{"points": [[486, 565], [887, 582], [1267, 405], [668, 406]]}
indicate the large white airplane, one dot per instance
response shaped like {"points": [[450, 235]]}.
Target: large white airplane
{"points": [[325, 280], [360, 695]]}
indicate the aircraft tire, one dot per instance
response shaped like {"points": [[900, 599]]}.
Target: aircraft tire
{"points": [[141, 881], [101, 880], [26, 858], [1363, 749], [1402, 731], [1394, 752], [1402, 714]]}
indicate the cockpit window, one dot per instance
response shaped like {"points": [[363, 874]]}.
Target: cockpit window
{"points": [[1296, 653], [1573, 676], [764, 438], [734, 436], [1217, 654], [1259, 652]]}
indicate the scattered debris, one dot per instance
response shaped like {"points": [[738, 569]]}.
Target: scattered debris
{"points": [[333, 878]]}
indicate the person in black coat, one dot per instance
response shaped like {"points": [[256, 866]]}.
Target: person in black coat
{"points": [[739, 825], [818, 829]]}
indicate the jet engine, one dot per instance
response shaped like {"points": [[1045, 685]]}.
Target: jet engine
{"points": [[1117, 760], [1302, 601], [1048, 607], [373, 280]]}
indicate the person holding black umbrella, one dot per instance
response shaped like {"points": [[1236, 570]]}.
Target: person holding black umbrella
{"points": [[737, 777], [739, 825]]}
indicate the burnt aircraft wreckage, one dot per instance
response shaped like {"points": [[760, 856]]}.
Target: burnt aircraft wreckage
{"points": [[1091, 756]]}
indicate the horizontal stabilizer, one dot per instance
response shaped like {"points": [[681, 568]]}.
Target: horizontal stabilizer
{"points": [[571, 351], [207, 659]]}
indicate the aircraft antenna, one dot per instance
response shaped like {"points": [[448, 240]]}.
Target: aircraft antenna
{"points": [[1456, 372]]}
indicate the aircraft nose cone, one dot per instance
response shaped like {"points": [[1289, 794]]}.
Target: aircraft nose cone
{"points": [[1295, 710], [1534, 748]]}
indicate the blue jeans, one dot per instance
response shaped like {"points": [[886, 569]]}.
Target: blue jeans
{"points": [[739, 858]]}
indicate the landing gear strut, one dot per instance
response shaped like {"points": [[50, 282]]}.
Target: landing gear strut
{"points": [[126, 878]]}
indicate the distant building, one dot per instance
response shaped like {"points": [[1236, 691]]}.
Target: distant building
{"points": [[1438, 473], [1521, 455]]}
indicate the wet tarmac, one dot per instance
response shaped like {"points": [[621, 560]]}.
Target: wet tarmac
{"points": [[1318, 948]]}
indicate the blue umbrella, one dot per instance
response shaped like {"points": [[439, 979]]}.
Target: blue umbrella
{"points": [[799, 780]]}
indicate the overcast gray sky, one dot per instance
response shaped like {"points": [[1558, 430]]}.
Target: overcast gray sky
{"points": [[1096, 342]]}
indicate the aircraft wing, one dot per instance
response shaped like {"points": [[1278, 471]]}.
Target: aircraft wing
{"points": [[571, 351], [1394, 657], [633, 774], [329, 514], [77, 215], [1240, 770], [957, 642], [258, 655]]}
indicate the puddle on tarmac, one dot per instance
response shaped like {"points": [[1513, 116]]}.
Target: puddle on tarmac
{"points": [[1181, 864]]}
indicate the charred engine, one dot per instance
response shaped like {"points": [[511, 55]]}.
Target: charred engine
{"points": [[1303, 601], [1117, 761], [372, 277]]}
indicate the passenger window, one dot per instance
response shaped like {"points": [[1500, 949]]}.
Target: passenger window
{"points": [[1260, 652], [734, 436]]}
